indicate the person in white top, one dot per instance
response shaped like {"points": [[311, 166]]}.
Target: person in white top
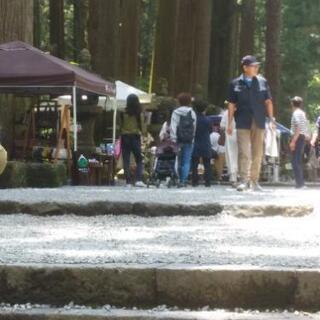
{"points": [[299, 132], [231, 148]]}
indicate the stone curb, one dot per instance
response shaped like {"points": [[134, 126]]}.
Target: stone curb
{"points": [[58, 314], [151, 286], [151, 209]]}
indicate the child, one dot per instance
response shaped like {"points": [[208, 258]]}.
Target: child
{"points": [[202, 145]]}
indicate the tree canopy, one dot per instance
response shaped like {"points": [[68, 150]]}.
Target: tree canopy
{"points": [[184, 45]]}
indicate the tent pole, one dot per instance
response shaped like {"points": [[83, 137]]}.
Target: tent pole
{"points": [[114, 128], [75, 129]]}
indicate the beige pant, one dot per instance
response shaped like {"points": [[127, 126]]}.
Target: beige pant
{"points": [[219, 165], [250, 144]]}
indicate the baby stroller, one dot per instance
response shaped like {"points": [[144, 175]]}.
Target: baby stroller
{"points": [[165, 165]]}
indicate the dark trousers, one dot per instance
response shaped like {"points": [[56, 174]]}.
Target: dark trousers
{"points": [[131, 143], [297, 157], [207, 170]]}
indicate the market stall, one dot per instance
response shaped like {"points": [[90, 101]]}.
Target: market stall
{"points": [[27, 71]]}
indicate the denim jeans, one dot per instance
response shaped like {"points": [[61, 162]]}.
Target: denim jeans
{"points": [[131, 143], [185, 161], [297, 156]]}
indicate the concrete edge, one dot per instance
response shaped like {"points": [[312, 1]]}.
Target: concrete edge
{"points": [[146, 288], [152, 209]]}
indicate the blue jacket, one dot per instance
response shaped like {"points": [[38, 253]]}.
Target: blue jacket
{"points": [[202, 145], [250, 101]]}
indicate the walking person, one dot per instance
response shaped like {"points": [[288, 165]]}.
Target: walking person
{"points": [[202, 145], [132, 127], [182, 131], [300, 132], [250, 103]]}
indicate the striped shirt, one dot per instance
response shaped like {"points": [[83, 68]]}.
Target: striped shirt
{"points": [[299, 122]]}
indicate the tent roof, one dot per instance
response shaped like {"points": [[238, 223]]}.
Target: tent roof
{"points": [[26, 69]]}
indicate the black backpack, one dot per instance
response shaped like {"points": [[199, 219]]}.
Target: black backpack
{"points": [[185, 130]]}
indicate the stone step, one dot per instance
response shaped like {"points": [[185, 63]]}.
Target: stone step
{"points": [[145, 209], [48, 313], [148, 286], [90, 201]]}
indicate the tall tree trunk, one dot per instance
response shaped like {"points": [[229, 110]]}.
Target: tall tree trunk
{"points": [[164, 50], [57, 44], [36, 23], [223, 49], [236, 41], [80, 15], [16, 23], [184, 53], [129, 40], [273, 58], [201, 48], [192, 47], [248, 26], [16, 20], [103, 34]]}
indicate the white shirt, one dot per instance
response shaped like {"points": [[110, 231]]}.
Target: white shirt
{"points": [[299, 122], [164, 132], [214, 138]]}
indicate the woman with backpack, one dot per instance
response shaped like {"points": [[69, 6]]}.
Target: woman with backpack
{"points": [[132, 126], [183, 127]]}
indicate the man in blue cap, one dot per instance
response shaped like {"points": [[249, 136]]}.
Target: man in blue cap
{"points": [[250, 102]]}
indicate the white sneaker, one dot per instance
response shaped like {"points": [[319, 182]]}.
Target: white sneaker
{"points": [[243, 186], [255, 186], [140, 184]]}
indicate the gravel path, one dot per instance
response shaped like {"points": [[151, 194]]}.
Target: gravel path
{"points": [[219, 240]]}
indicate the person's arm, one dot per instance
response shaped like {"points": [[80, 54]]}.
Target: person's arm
{"points": [[269, 107], [294, 139], [295, 132], [173, 126], [231, 111], [314, 138], [163, 132], [194, 117], [232, 107]]}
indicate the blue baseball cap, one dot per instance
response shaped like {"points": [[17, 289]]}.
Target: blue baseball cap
{"points": [[249, 61]]}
